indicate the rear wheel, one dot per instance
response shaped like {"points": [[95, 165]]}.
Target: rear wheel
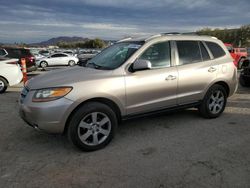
{"points": [[3, 85], [92, 126], [214, 102]]}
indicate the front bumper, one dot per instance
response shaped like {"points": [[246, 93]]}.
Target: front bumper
{"points": [[49, 117]]}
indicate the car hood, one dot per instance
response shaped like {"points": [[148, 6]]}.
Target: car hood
{"points": [[66, 77]]}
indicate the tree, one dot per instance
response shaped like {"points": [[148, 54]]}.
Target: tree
{"points": [[238, 37]]}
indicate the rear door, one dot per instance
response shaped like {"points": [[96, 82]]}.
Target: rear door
{"points": [[195, 70]]}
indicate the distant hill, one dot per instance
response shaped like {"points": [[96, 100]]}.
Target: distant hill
{"points": [[54, 41]]}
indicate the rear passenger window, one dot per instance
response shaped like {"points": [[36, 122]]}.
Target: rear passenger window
{"points": [[204, 53], [189, 52], [216, 50]]}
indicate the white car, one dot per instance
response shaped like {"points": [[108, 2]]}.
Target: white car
{"points": [[10, 73], [57, 59]]}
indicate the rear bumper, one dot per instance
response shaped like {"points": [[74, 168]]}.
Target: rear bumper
{"points": [[32, 68]]}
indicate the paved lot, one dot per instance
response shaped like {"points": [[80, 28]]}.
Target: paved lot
{"points": [[173, 150]]}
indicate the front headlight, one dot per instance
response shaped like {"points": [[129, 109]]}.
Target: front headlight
{"points": [[50, 94]]}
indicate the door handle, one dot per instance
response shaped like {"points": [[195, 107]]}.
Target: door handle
{"points": [[170, 77], [212, 69]]}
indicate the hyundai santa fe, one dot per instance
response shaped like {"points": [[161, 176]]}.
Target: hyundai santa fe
{"points": [[131, 78]]}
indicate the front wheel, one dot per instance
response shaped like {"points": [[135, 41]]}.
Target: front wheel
{"points": [[72, 63], [92, 126], [3, 85], [214, 102], [43, 64]]}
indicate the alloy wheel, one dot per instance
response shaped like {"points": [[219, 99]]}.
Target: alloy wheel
{"points": [[1, 85], [216, 102], [94, 128]]}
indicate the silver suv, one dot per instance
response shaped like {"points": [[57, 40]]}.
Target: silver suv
{"points": [[131, 78]]}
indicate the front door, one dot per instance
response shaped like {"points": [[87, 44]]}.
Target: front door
{"points": [[156, 88]]}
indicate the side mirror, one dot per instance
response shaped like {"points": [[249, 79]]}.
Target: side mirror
{"points": [[141, 64]]}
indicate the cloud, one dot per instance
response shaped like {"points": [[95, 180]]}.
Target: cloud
{"points": [[114, 19], [103, 26]]}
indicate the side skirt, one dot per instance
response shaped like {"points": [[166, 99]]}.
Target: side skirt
{"points": [[179, 107]]}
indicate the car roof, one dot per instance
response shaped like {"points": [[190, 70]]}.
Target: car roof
{"points": [[170, 36], [59, 53]]}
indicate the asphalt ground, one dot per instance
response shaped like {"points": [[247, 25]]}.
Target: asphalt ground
{"points": [[178, 149]]}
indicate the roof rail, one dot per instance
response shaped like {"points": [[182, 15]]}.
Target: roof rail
{"points": [[153, 36], [125, 39], [171, 33], [177, 33]]}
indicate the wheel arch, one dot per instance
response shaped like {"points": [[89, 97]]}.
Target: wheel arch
{"points": [[102, 100], [4, 79], [223, 84]]}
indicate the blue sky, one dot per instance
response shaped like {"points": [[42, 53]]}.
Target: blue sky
{"points": [[37, 20]]}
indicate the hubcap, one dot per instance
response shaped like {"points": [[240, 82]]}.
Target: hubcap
{"points": [[1, 85], [216, 102], [94, 128], [43, 65], [71, 63]]}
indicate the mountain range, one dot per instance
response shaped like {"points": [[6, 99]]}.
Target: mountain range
{"points": [[54, 41]]}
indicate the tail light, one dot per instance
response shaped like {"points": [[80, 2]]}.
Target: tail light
{"points": [[31, 59]]}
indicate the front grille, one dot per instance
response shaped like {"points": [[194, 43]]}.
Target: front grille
{"points": [[24, 93]]}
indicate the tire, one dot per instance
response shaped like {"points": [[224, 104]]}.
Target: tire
{"points": [[214, 102], [3, 85], [243, 82], [72, 63], [43, 64], [92, 126]]}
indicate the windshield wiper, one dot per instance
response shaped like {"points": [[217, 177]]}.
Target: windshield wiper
{"points": [[97, 66]]}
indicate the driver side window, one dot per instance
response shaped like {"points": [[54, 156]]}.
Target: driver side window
{"points": [[158, 54]]}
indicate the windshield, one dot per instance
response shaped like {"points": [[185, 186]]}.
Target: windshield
{"points": [[114, 56]]}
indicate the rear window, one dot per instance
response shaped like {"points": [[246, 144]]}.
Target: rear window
{"points": [[25, 52], [216, 50], [243, 50]]}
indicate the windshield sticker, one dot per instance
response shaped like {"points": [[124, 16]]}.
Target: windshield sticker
{"points": [[136, 46]]}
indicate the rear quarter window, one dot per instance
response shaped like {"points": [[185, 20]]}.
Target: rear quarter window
{"points": [[215, 49]]}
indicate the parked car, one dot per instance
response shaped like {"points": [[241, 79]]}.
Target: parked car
{"points": [[69, 52], [84, 57], [245, 74], [131, 78], [44, 52], [57, 59], [238, 54], [10, 73], [38, 56], [20, 53]]}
